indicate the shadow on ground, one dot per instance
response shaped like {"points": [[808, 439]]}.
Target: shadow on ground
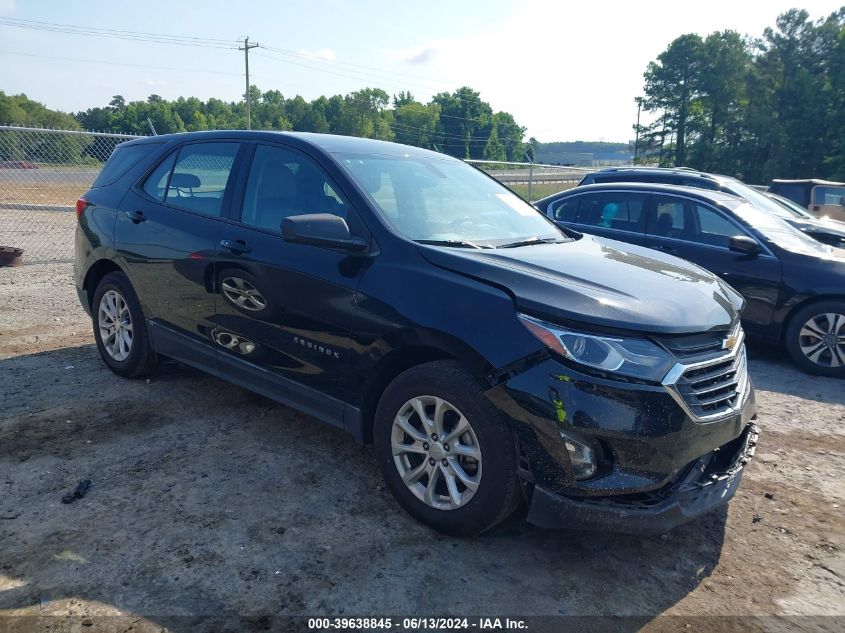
{"points": [[772, 370], [207, 500]]}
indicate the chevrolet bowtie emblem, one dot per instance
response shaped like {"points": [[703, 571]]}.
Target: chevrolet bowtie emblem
{"points": [[730, 342]]}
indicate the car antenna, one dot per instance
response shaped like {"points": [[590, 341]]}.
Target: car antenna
{"points": [[152, 127]]}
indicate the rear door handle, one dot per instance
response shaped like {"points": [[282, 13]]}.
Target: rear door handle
{"points": [[136, 216], [239, 247]]}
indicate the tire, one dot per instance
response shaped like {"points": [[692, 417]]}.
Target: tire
{"points": [[456, 508], [815, 338], [133, 357]]}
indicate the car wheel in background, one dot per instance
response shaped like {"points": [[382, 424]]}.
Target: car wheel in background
{"points": [[815, 338], [445, 451]]}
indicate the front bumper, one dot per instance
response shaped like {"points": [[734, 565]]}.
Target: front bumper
{"points": [[657, 464], [700, 490]]}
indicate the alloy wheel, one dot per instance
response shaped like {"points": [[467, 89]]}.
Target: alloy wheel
{"points": [[822, 339], [115, 323], [436, 452], [243, 294]]}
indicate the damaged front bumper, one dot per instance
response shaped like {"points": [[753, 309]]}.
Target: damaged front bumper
{"points": [[707, 483]]}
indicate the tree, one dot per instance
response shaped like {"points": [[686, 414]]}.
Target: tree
{"points": [[671, 86]]}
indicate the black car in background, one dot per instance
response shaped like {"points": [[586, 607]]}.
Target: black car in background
{"points": [[794, 286], [490, 356], [825, 230], [834, 230]]}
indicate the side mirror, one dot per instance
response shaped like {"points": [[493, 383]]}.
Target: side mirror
{"points": [[321, 229], [744, 244]]}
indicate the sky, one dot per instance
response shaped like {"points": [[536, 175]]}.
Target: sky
{"points": [[566, 70]]}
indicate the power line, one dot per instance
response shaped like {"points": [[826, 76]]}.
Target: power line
{"points": [[307, 62], [137, 36], [111, 63], [335, 62]]}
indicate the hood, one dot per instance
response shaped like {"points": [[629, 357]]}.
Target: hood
{"points": [[832, 227], [601, 282]]}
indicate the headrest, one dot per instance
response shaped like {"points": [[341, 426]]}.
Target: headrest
{"points": [[277, 181], [184, 181]]}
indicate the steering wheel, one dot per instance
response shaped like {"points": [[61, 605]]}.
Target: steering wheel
{"points": [[464, 219]]}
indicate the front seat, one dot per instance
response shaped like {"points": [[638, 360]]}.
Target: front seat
{"points": [[664, 225], [277, 196]]}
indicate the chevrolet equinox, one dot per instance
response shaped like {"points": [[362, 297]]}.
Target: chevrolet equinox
{"points": [[491, 357]]}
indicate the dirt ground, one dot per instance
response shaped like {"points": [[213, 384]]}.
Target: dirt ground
{"points": [[207, 500]]}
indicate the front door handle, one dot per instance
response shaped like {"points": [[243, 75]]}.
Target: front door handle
{"points": [[239, 247], [666, 249], [136, 216]]}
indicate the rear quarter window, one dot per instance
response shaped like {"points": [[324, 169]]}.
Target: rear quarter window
{"points": [[122, 159]]}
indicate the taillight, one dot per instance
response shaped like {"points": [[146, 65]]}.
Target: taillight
{"points": [[81, 205]]}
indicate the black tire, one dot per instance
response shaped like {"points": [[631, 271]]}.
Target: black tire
{"points": [[141, 359], [794, 339], [498, 494]]}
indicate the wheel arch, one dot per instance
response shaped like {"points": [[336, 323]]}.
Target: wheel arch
{"points": [[415, 350], [805, 302], [96, 272]]}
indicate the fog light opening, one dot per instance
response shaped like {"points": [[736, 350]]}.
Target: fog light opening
{"points": [[581, 457]]}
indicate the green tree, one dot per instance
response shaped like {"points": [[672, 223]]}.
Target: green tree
{"points": [[672, 84]]}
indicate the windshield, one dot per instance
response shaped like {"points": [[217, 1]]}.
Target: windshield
{"points": [[792, 207], [780, 233], [443, 200], [759, 199]]}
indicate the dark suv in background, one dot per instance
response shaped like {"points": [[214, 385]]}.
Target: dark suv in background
{"points": [[824, 230], [491, 357], [794, 285]]}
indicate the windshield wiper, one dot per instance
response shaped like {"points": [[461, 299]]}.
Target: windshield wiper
{"points": [[452, 243], [531, 241]]}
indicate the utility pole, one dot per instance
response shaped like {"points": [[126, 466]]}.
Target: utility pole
{"points": [[245, 49], [637, 138]]}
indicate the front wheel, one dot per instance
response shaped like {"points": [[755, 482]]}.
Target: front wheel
{"points": [[815, 338], [445, 451]]}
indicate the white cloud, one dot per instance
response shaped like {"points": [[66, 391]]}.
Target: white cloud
{"points": [[7, 7], [324, 54], [155, 82], [419, 55]]}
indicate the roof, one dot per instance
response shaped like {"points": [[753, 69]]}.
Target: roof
{"points": [[716, 197], [685, 171], [808, 181], [329, 143]]}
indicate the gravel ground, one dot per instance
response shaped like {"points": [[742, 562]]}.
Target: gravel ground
{"points": [[207, 500]]}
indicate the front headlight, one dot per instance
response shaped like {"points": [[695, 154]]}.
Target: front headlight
{"points": [[633, 357]]}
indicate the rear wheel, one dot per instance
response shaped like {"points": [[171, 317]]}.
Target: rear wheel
{"points": [[120, 329], [445, 452], [815, 338]]}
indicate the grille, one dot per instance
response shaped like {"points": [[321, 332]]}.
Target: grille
{"points": [[712, 388]]}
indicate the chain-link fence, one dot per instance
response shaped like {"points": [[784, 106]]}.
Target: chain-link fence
{"points": [[533, 181], [42, 173]]}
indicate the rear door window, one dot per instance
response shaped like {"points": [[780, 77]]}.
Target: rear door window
{"points": [[200, 177], [619, 210]]}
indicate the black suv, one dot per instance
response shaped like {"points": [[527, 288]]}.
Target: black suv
{"points": [[795, 286], [827, 231], [491, 357]]}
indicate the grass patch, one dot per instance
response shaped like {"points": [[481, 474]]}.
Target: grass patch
{"points": [[541, 190]]}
